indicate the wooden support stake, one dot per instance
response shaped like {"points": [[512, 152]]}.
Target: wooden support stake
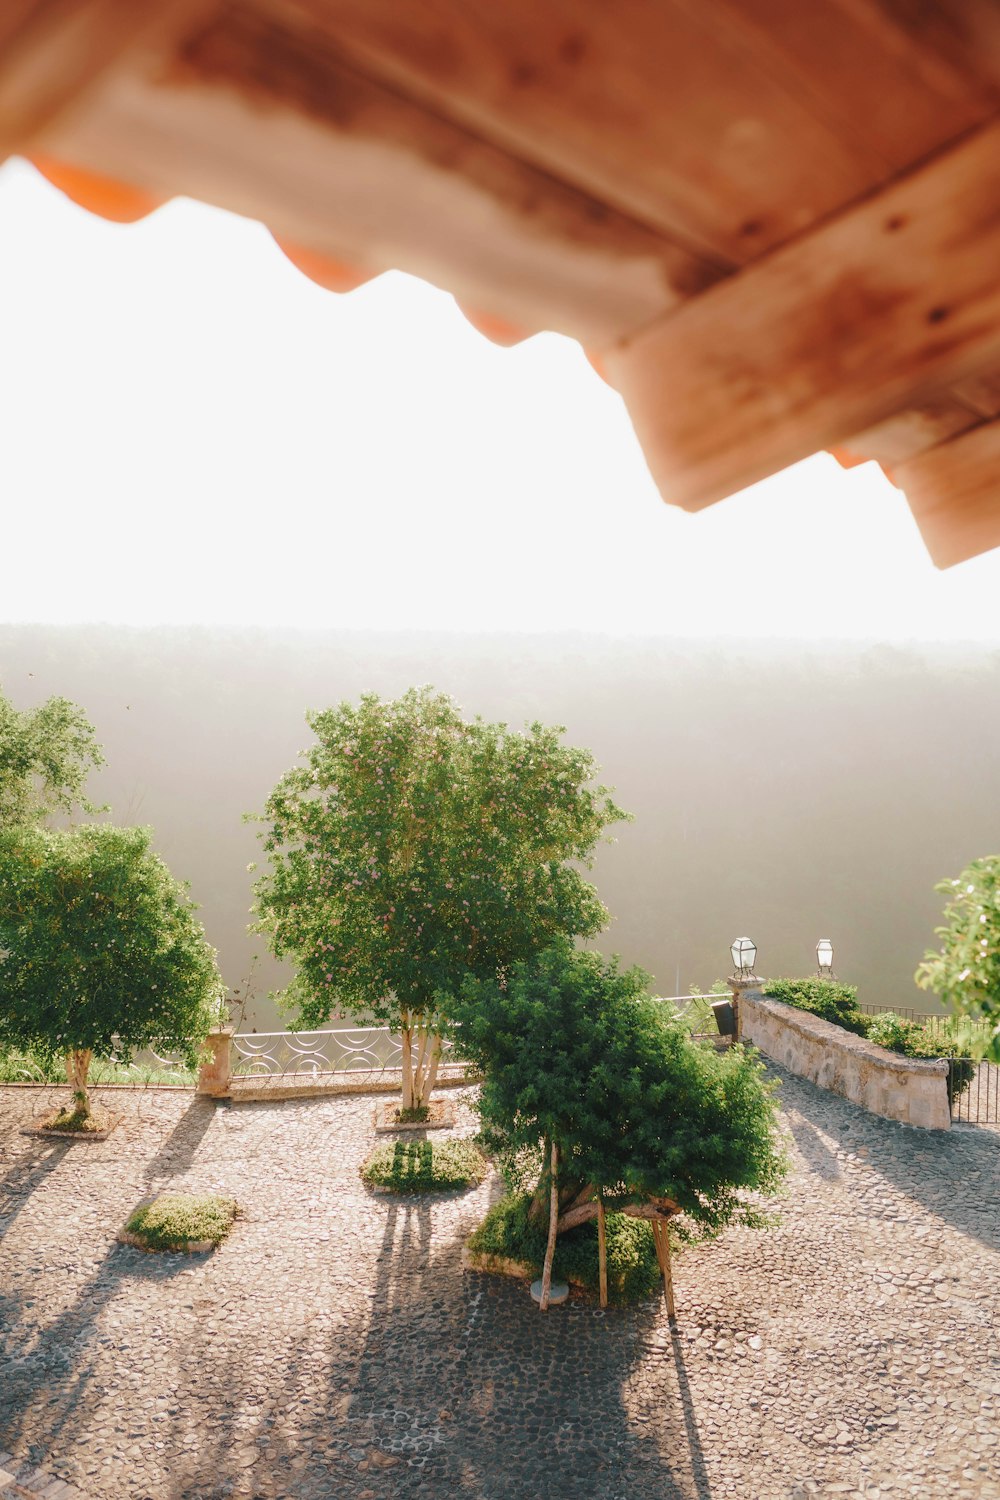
{"points": [[602, 1252], [661, 1239], [550, 1248]]}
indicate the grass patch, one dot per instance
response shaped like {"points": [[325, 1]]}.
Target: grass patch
{"points": [[633, 1270], [422, 1166], [175, 1221], [24, 1065]]}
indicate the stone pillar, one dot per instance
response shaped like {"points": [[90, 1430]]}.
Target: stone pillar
{"points": [[740, 987], [216, 1068]]}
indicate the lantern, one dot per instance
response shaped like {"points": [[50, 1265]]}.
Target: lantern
{"points": [[744, 955]]}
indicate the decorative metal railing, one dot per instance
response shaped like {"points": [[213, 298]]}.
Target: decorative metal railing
{"points": [[355, 1057]]}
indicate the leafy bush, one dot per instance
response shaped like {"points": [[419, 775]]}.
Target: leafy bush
{"points": [[966, 971], [826, 998], [697, 1016], [575, 1053], [633, 1270], [910, 1040], [175, 1220], [422, 1166]]}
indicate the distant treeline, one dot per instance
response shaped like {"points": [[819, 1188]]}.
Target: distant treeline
{"points": [[786, 791]]}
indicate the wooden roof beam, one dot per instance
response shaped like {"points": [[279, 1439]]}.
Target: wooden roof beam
{"points": [[53, 51], [248, 113], [880, 309], [954, 493]]}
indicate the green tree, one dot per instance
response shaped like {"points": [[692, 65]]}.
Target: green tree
{"points": [[587, 1076], [46, 756], [413, 849], [965, 972], [99, 949]]}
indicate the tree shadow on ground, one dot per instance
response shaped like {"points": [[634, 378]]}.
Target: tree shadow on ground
{"points": [[44, 1395], [180, 1148], [473, 1388], [952, 1174], [812, 1148], [27, 1173]]}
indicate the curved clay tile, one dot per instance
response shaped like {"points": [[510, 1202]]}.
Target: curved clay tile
{"points": [[332, 274], [100, 195], [497, 330], [597, 365]]}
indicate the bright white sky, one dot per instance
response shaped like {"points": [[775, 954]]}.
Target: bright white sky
{"points": [[194, 432]]}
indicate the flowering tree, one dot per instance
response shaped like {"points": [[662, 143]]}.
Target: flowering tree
{"points": [[46, 755], [587, 1078], [413, 849], [966, 970], [99, 949]]}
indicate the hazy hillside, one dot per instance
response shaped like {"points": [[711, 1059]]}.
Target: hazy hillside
{"points": [[786, 792]]}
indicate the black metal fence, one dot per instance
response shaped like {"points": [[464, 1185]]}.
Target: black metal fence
{"points": [[974, 1089], [979, 1102]]}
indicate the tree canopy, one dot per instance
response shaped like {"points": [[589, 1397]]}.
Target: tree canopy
{"points": [[46, 756], [965, 971], [575, 1054], [100, 951], [414, 848]]}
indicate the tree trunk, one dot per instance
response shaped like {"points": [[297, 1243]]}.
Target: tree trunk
{"points": [[407, 1061], [429, 1076], [77, 1068], [421, 1057], [550, 1248]]}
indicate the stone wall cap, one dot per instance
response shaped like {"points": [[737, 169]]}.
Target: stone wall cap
{"points": [[809, 1025]]}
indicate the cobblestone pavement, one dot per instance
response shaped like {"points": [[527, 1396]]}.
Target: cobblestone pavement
{"points": [[333, 1347]]}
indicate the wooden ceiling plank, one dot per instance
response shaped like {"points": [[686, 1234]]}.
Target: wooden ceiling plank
{"points": [[961, 34], [907, 433], [877, 310], [251, 119], [981, 393], [655, 106], [863, 67], [954, 494], [52, 51]]}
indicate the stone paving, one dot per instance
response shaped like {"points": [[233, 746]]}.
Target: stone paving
{"points": [[333, 1347]]}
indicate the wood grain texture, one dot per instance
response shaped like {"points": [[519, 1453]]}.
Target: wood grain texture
{"points": [[954, 494], [875, 312], [907, 433], [249, 117], [53, 51], [663, 108]]}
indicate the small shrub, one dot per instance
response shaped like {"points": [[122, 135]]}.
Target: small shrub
{"points": [[423, 1166], [910, 1040], [826, 998], [176, 1220], [75, 1119], [633, 1269], [415, 1115]]}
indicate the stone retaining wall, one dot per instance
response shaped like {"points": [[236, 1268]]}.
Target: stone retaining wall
{"points": [[910, 1089]]}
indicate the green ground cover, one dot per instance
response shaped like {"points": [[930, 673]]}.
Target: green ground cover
{"points": [[423, 1166], [176, 1220], [633, 1269]]}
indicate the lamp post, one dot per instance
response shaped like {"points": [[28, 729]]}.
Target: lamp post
{"points": [[824, 958], [744, 957], [728, 1013]]}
